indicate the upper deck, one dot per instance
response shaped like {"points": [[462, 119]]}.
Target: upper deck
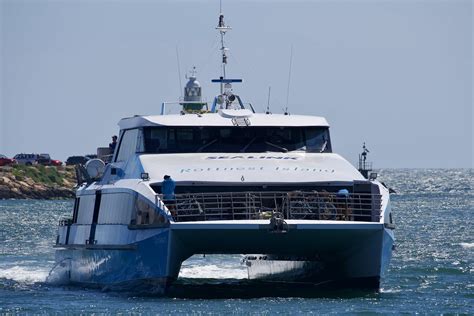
{"points": [[222, 118]]}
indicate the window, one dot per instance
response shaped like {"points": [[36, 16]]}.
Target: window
{"points": [[236, 139], [317, 140], [128, 145]]}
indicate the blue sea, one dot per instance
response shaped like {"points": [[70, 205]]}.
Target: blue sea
{"points": [[432, 270]]}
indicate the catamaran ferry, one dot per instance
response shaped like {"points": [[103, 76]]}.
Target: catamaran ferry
{"points": [[264, 185]]}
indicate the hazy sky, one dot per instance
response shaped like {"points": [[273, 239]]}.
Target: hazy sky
{"points": [[396, 74]]}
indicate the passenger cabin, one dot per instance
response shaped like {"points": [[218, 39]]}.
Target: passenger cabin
{"points": [[215, 133]]}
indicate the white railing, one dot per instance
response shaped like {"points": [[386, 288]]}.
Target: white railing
{"points": [[261, 205], [182, 107]]}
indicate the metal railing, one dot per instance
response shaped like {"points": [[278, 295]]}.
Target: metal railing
{"points": [[164, 107], [261, 205], [364, 165]]}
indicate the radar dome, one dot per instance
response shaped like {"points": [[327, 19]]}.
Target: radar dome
{"points": [[95, 168]]}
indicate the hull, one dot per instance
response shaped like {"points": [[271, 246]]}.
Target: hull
{"points": [[141, 265], [337, 269], [280, 269], [338, 252]]}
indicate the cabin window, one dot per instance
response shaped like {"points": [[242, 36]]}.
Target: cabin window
{"points": [[317, 140], [140, 142], [236, 139], [156, 140], [128, 145]]}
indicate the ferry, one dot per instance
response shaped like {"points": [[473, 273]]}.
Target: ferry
{"points": [[267, 186]]}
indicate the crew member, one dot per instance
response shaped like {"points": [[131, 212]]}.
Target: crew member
{"points": [[113, 144], [167, 189]]}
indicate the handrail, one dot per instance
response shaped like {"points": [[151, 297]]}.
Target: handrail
{"points": [[181, 103], [312, 205]]}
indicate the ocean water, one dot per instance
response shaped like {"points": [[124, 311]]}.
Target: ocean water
{"points": [[431, 272]]}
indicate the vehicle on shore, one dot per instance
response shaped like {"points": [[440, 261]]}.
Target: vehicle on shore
{"points": [[26, 159], [77, 160], [37, 159], [261, 184], [56, 163], [5, 161], [45, 160]]}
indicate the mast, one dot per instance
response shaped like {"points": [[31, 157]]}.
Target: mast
{"points": [[222, 28], [226, 97]]}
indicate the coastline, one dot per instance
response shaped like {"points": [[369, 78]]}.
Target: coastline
{"points": [[37, 182]]}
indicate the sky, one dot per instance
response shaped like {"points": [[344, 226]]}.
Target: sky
{"points": [[395, 74]]}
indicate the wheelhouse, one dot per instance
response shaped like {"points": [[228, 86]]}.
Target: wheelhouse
{"points": [[222, 139]]}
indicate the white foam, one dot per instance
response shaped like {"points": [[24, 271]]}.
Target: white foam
{"points": [[213, 272], [24, 274], [384, 290], [467, 245]]}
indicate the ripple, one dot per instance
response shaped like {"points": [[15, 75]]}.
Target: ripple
{"points": [[430, 272]]}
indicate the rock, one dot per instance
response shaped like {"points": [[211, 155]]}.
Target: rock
{"points": [[5, 180], [23, 184], [4, 192], [68, 184], [15, 191], [27, 188], [14, 184]]}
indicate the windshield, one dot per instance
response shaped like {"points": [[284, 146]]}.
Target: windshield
{"points": [[236, 139]]}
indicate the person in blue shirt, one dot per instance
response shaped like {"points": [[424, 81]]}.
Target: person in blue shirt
{"points": [[167, 188], [343, 204], [343, 193]]}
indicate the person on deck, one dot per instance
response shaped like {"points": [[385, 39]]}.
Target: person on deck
{"points": [[342, 198], [113, 144], [167, 189]]}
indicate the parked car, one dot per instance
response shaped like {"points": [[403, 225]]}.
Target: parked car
{"points": [[76, 160], [55, 162], [26, 159], [43, 159], [5, 161]]}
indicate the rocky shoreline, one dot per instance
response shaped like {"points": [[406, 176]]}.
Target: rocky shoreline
{"points": [[37, 182]]}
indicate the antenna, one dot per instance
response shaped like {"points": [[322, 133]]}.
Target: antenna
{"points": [[179, 73], [222, 28], [289, 79], [226, 97], [268, 103]]}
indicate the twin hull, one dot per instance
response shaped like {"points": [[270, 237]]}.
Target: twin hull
{"points": [[336, 252], [104, 245]]}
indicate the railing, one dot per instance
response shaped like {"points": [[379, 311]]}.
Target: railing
{"points": [[365, 165], [203, 106], [199, 107], [261, 205]]}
